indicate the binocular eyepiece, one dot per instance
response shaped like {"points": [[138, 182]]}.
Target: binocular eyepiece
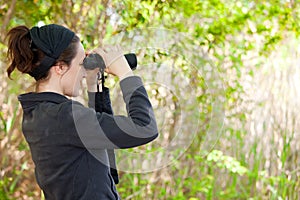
{"points": [[93, 61]]}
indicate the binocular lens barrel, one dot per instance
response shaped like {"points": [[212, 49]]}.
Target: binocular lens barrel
{"points": [[93, 61]]}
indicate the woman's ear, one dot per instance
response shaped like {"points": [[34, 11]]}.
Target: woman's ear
{"points": [[60, 68]]}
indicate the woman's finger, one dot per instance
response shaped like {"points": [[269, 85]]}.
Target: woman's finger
{"points": [[100, 51]]}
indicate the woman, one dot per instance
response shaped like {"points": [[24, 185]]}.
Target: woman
{"points": [[68, 141]]}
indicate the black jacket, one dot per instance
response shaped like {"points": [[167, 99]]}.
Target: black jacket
{"points": [[69, 142]]}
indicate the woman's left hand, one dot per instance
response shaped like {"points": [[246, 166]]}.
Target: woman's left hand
{"points": [[92, 79]]}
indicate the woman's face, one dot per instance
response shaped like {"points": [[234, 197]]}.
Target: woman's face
{"points": [[71, 80]]}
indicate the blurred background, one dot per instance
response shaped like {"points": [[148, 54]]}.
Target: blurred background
{"points": [[223, 77]]}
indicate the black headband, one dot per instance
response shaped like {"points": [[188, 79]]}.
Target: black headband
{"points": [[52, 40]]}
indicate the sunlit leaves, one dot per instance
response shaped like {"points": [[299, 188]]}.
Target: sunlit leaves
{"points": [[221, 38]]}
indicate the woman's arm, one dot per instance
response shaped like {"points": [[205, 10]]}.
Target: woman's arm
{"points": [[102, 130]]}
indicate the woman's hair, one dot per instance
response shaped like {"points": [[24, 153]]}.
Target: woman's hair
{"points": [[25, 56]]}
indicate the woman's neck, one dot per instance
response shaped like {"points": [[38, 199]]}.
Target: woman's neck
{"points": [[48, 86]]}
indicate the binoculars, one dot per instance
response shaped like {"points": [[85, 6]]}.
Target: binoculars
{"points": [[93, 61]]}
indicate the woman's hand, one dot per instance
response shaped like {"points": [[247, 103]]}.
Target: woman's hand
{"points": [[92, 79], [116, 63]]}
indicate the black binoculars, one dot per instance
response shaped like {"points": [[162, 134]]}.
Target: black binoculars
{"points": [[93, 61]]}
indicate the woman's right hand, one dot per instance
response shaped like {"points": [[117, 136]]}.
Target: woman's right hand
{"points": [[115, 61]]}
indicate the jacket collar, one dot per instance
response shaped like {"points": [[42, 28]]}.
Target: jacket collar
{"points": [[32, 98]]}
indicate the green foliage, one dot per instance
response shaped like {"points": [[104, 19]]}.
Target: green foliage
{"points": [[212, 44], [216, 158], [204, 183]]}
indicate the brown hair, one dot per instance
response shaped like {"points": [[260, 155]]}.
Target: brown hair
{"points": [[25, 56]]}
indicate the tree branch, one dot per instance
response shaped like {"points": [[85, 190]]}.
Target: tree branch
{"points": [[7, 19]]}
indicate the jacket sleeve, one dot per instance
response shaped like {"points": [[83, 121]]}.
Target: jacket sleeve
{"points": [[100, 101], [105, 131]]}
